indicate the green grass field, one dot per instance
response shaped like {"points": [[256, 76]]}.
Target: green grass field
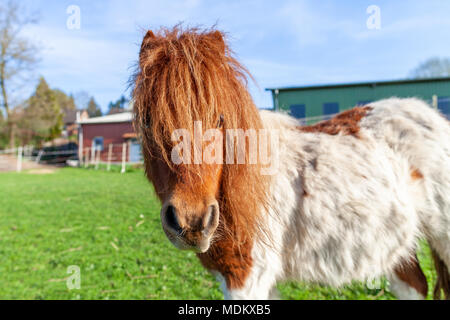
{"points": [[107, 224]]}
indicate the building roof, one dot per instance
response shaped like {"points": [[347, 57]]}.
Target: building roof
{"points": [[360, 84], [70, 116], [110, 118], [129, 135]]}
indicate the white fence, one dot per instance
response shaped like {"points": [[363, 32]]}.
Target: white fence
{"points": [[111, 154], [114, 154], [17, 156], [12, 155]]}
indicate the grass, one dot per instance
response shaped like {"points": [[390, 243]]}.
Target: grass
{"points": [[107, 224]]}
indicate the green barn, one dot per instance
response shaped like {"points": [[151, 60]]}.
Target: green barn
{"points": [[321, 101]]}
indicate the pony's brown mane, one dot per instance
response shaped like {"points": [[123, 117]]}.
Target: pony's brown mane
{"points": [[189, 75]]}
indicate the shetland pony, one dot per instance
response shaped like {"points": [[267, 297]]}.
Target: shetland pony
{"points": [[350, 200]]}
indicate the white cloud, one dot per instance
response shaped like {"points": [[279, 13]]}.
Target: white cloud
{"points": [[406, 26], [130, 15], [82, 60], [314, 26]]}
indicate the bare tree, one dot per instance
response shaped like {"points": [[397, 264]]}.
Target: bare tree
{"points": [[432, 68], [17, 54], [82, 100]]}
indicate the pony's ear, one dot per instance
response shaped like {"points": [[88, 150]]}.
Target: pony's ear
{"points": [[147, 38], [146, 44], [218, 37], [149, 35]]}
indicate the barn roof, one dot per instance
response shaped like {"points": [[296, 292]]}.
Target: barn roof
{"points": [[70, 116], [110, 118], [359, 84]]}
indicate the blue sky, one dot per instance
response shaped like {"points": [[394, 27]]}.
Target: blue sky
{"points": [[282, 43]]}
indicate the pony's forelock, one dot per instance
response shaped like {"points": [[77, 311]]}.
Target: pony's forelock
{"points": [[187, 75]]}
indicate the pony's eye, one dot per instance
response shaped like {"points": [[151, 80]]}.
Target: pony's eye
{"points": [[146, 123], [220, 121]]}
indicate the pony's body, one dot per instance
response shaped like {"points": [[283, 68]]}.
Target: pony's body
{"points": [[346, 207], [351, 198]]}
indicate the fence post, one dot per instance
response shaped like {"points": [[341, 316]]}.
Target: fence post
{"points": [[38, 158], [25, 151], [86, 161], [19, 159], [434, 101], [97, 159], [124, 157], [80, 144], [93, 147], [108, 166]]}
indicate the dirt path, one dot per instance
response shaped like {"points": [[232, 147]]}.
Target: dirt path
{"points": [[9, 163]]}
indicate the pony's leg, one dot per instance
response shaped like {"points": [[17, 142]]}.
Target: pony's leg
{"points": [[408, 281], [441, 255], [442, 248], [254, 289], [259, 285], [274, 294]]}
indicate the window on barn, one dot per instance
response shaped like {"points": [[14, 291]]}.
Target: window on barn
{"points": [[444, 106], [330, 108], [363, 102], [298, 111], [135, 151], [97, 143]]}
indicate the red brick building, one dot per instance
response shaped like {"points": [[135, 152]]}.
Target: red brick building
{"points": [[107, 135], [71, 117]]}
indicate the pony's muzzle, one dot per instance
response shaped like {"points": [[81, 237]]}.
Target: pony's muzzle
{"points": [[187, 230]]}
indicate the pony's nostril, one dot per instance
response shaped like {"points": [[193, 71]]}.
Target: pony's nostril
{"points": [[211, 219], [172, 220]]}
